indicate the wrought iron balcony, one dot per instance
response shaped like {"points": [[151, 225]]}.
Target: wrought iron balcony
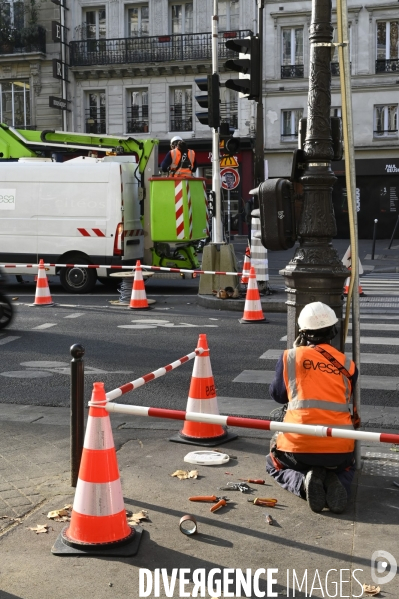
{"points": [[229, 113], [137, 119], [95, 121], [335, 69], [181, 117], [24, 40], [387, 66], [290, 71], [160, 48]]}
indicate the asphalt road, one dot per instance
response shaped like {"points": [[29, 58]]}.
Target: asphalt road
{"points": [[122, 345]]}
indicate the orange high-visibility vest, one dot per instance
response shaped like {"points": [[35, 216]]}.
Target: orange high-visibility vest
{"points": [[179, 167], [318, 393]]}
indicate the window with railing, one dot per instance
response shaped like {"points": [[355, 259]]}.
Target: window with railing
{"points": [[229, 107], [96, 113], [290, 124], [292, 52], [137, 111], [15, 104], [138, 21], [181, 18], [17, 32], [387, 60], [181, 115], [386, 120]]}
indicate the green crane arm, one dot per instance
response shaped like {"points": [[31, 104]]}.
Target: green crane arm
{"points": [[23, 143]]}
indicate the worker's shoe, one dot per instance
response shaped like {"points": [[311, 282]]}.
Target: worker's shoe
{"points": [[314, 488], [336, 496]]}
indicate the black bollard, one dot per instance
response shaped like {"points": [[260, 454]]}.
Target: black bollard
{"points": [[393, 234], [374, 237], [77, 409]]}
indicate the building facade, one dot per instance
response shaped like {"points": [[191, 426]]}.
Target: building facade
{"points": [[132, 67]]}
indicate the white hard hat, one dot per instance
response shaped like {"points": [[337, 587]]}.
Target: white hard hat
{"points": [[175, 138], [316, 316]]}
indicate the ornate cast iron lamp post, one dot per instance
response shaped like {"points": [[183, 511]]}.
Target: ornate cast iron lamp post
{"points": [[316, 272]]}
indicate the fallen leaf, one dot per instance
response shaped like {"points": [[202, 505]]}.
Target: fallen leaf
{"points": [[138, 517], [371, 590], [183, 474], [140, 443], [11, 519], [14, 298], [62, 515], [40, 528]]}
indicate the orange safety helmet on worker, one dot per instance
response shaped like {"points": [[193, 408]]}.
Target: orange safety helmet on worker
{"points": [[182, 159], [318, 390]]}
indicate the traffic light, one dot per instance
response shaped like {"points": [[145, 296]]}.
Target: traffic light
{"points": [[277, 214], [249, 84], [231, 144], [211, 101]]}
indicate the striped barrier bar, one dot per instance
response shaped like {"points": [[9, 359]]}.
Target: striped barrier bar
{"points": [[117, 267], [267, 425], [152, 375]]}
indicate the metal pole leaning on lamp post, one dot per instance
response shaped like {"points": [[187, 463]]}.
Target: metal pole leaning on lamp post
{"points": [[77, 409]]}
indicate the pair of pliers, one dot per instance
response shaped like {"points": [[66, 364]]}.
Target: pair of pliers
{"points": [[219, 501], [264, 501]]}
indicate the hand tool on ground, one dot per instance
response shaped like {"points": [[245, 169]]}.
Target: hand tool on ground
{"points": [[255, 481], [264, 501], [243, 487], [219, 501]]}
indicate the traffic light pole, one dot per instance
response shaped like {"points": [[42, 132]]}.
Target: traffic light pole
{"points": [[259, 150], [217, 230]]}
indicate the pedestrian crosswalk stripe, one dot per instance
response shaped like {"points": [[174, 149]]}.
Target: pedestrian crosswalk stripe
{"points": [[380, 383], [370, 326], [365, 358], [8, 339], [46, 325]]}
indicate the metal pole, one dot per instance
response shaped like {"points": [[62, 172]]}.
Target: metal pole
{"points": [[63, 60], [259, 156], [349, 146], [217, 229], [77, 409], [393, 234], [374, 237], [228, 217]]}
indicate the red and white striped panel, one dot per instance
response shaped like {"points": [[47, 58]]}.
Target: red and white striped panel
{"points": [[133, 233], [91, 232], [179, 209], [206, 209], [190, 209]]}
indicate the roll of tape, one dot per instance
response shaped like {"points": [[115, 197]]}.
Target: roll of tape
{"points": [[188, 525]]}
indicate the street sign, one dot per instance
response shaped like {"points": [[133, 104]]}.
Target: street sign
{"points": [[230, 178], [58, 103], [228, 161]]}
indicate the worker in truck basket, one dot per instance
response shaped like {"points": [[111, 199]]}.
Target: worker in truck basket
{"points": [[180, 161], [317, 381]]}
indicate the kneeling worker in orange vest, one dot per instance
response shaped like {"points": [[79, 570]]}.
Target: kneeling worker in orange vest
{"points": [[317, 381], [180, 161]]}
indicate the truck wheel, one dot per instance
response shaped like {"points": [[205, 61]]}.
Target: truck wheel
{"points": [[6, 312], [78, 279]]}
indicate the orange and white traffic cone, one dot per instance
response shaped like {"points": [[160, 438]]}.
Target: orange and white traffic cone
{"points": [[246, 267], [346, 287], [138, 300], [202, 399], [252, 307], [42, 295], [98, 521]]}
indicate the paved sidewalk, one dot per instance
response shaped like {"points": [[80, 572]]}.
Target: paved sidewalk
{"points": [[35, 478]]}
